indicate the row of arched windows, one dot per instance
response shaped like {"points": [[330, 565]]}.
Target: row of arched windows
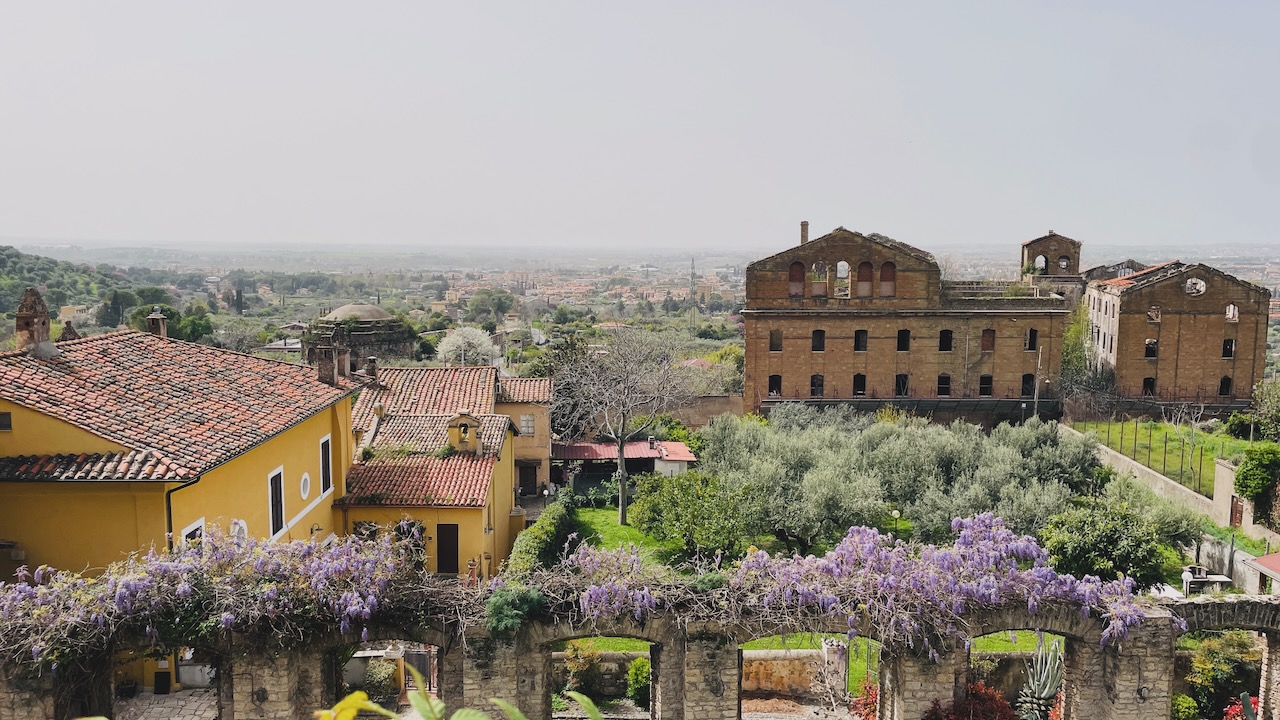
{"points": [[946, 340], [902, 385], [818, 276]]}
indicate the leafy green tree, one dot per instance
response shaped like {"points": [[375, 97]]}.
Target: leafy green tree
{"points": [[1104, 540], [694, 509], [153, 296], [489, 305]]}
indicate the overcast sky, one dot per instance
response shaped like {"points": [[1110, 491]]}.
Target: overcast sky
{"points": [[700, 125]]}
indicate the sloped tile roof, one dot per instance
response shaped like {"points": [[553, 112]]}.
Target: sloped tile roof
{"points": [[1142, 276], [135, 465], [428, 433], [663, 450], [420, 480], [426, 391], [525, 390], [195, 405]]}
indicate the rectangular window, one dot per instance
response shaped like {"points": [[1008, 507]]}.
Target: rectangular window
{"points": [[276, 489], [944, 341], [1032, 339], [944, 386], [985, 386], [988, 340], [1228, 348], [526, 424], [326, 466], [6, 422], [775, 385], [901, 385], [1151, 348], [859, 384], [447, 562], [819, 340], [904, 340], [775, 341], [816, 386], [194, 531], [859, 340]]}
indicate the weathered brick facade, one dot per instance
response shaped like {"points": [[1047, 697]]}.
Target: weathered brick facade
{"points": [[1178, 332], [863, 317]]}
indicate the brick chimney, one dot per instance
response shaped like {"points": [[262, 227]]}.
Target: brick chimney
{"points": [[157, 323], [371, 368], [325, 370], [341, 352], [804, 231], [32, 320]]}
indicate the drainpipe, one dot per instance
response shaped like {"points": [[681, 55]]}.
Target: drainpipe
{"points": [[168, 508]]}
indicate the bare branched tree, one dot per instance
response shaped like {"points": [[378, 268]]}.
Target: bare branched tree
{"points": [[618, 389]]}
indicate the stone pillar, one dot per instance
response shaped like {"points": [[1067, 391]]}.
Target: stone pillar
{"points": [[1129, 680], [280, 685], [449, 663], [666, 693], [22, 699], [490, 669], [712, 677], [909, 684], [1269, 693]]}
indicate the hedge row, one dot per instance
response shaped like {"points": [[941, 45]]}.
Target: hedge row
{"points": [[540, 545]]}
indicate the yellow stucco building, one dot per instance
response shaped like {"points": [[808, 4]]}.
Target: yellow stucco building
{"points": [[113, 443]]}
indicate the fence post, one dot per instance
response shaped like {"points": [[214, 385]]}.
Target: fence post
{"points": [[1200, 467], [1164, 462], [1182, 462], [1151, 438], [1135, 439]]}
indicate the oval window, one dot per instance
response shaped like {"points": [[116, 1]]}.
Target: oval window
{"points": [[306, 485], [1195, 286]]}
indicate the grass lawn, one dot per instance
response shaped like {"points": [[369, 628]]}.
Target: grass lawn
{"points": [[1168, 450], [601, 528], [1022, 641]]}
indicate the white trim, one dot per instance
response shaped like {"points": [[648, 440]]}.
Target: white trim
{"points": [[284, 526], [304, 486], [197, 525], [326, 438], [305, 511]]}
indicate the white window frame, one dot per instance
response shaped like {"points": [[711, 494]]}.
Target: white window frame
{"points": [[197, 525], [304, 486], [532, 424], [323, 490], [271, 519]]}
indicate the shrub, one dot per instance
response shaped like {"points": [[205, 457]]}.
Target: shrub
{"points": [[1184, 708], [1223, 666], [638, 681], [867, 703], [540, 545], [1240, 425], [1235, 711], [509, 607], [380, 680], [1256, 476], [981, 702], [582, 661]]}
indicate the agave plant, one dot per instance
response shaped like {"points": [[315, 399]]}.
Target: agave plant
{"points": [[1044, 679]]}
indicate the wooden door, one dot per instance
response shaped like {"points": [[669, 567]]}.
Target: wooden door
{"points": [[447, 549]]}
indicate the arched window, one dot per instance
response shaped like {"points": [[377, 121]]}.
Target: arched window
{"points": [[988, 340], [818, 280], [1032, 339], [775, 385], [1042, 265], [944, 341], [1153, 313], [775, 341], [859, 384], [888, 280], [904, 340], [1233, 313], [944, 385], [866, 273], [795, 280], [1149, 386], [842, 279], [815, 386], [1064, 264], [819, 340], [1028, 384], [859, 340], [1228, 348], [1224, 386]]}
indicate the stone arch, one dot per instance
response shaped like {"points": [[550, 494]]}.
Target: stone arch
{"points": [[1256, 613], [446, 639], [795, 279], [842, 279], [888, 280], [866, 274], [666, 657]]}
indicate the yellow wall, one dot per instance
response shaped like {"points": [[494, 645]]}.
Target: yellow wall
{"points": [[78, 526], [239, 490], [37, 434], [531, 447]]}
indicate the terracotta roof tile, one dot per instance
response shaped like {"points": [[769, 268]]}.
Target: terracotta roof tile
{"points": [[426, 391], [134, 465], [525, 390], [428, 433], [420, 480], [663, 450], [195, 405]]}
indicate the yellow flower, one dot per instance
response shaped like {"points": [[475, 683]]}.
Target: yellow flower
{"points": [[350, 706]]}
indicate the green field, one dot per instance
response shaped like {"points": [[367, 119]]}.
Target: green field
{"points": [[601, 528]]}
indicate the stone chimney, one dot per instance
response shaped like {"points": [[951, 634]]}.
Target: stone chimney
{"points": [[68, 332], [804, 231], [653, 443], [157, 323], [32, 320], [325, 370], [371, 368]]}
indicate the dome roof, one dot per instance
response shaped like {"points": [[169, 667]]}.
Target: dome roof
{"points": [[360, 311]]}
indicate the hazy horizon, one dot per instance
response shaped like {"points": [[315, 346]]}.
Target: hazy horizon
{"points": [[711, 127]]}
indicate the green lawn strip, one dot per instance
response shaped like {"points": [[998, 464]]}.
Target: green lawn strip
{"points": [[1168, 449], [602, 524], [1253, 546], [1022, 641]]}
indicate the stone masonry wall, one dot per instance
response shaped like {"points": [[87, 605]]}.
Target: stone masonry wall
{"points": [[23, 703]]}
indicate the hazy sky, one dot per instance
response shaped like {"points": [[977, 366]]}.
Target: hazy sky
{"points": [[701, 125]]}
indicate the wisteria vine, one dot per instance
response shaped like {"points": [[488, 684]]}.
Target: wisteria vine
{"points": [[905, 595], [202, 592]]}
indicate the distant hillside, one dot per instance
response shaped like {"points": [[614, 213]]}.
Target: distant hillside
{"points": [[62, 283]]}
